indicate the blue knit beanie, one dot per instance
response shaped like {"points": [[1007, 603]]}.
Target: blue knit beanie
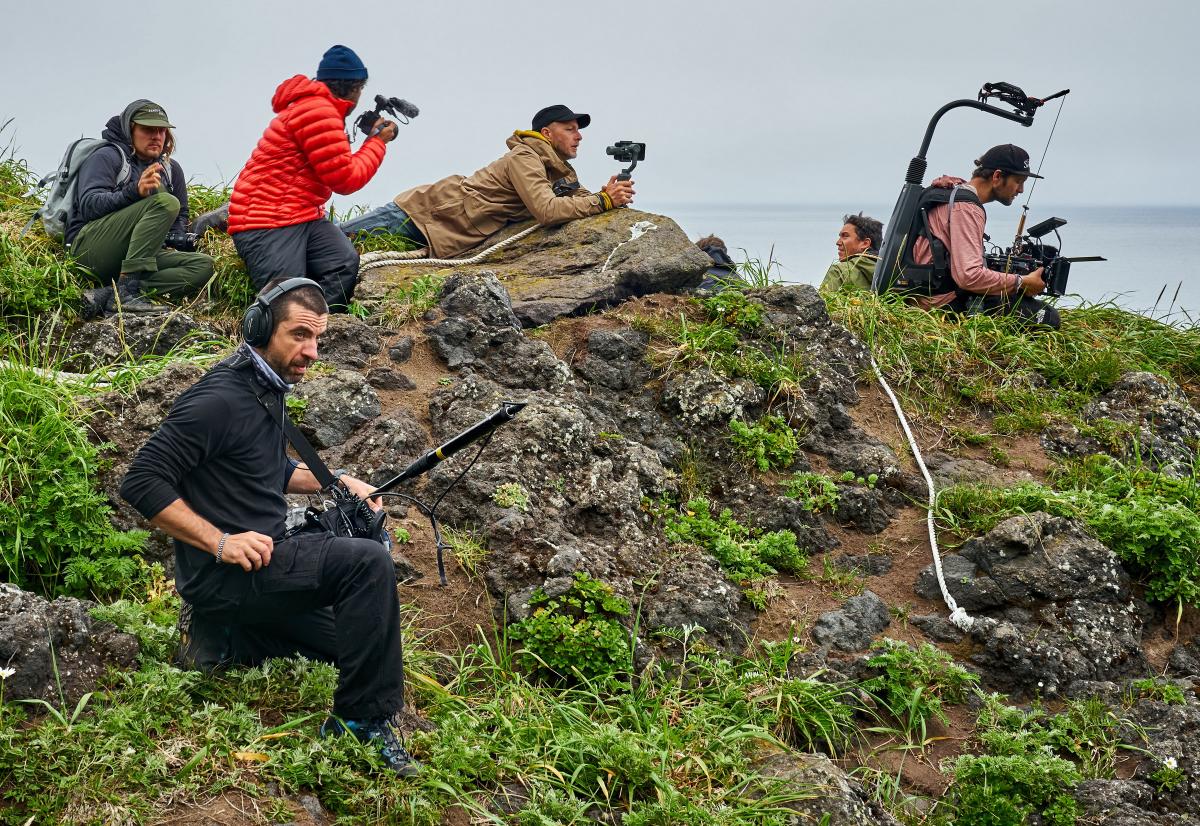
{"points": [[341, 63]]}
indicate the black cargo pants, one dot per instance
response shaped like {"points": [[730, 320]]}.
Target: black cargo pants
{"points": [[331, 599], [314, 249]]}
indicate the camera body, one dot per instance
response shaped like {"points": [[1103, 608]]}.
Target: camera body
{"points": [[181, 241], [1025, 258], [398, 108], [1029, 253], [629, 152]]}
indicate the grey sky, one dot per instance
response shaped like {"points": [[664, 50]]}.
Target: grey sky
{"points": [[738, 100]]}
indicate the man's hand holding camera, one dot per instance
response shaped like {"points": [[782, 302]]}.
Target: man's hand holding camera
{"points": [[621, 192], [1033, 283], [385, 130]]}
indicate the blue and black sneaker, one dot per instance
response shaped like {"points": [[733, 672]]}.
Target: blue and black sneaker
{"points": [[381, 732]]}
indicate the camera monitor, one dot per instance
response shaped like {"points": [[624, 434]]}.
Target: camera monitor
{"points": [[1043, 227]]}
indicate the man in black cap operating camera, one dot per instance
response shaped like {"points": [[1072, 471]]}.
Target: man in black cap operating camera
{"points": [[534, 179], [999, 175]]}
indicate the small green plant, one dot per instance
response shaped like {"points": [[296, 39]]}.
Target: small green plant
{"points": [[815, 491], [414, 299], [851, 478], [511, 495], [732, 307], [915, 682], [845, 582], [758, 273], [746, 555], [1168, 776], [576, 635], [296, 407], [767, 445], [468, 551], [1152, 689], [1010, 791]]}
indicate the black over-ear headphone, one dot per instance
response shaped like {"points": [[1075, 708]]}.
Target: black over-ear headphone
{"points": [[259, 323]]}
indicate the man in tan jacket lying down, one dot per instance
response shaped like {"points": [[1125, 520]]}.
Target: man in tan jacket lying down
{"points": [[534, 179]]}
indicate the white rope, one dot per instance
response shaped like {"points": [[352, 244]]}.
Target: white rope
{"points": [[958, 616], [55, 375], [388, 258]]}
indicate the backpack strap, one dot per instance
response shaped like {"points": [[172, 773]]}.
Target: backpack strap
{"points": [[318, 468]]}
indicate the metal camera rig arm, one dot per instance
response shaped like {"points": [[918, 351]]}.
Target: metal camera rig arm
{"points": [[1023, 109], [482, 429]]}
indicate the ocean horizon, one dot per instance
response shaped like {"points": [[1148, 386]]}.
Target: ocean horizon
{"points": [[1149, 248]]}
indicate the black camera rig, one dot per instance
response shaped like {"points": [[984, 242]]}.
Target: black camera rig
{"points": [[1030, 252], [398, 108], [899, 230], [629, 152]]}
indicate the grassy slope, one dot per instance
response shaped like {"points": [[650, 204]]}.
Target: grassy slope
{"points": [[674, 745]]}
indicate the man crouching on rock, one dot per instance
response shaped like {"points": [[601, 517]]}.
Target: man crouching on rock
{"points": [[532, 180], [214, 476]]}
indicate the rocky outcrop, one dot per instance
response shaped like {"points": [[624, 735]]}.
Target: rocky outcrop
{"points": [[1144, 416], [836, 800], [55, 647], [1052, 606], [581, 266], [124, 338], [854, 625]]}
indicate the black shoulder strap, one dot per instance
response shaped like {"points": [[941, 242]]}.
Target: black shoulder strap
{"points": [[303, 446]]}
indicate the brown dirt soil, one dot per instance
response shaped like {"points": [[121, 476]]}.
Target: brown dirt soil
{"points": [[231, 809]]}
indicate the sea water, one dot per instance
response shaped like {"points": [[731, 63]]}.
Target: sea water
{"points": [[1151, 251]]}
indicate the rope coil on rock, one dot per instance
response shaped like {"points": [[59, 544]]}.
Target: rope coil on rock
{"points": [[388, 258], [958, 616]]}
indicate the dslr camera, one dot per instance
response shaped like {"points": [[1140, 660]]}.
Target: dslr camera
{"points": [[1030, 252], [181, 241], [629, 152]]}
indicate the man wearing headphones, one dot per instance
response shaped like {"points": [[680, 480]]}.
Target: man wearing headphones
{"points": [[214, 477]]}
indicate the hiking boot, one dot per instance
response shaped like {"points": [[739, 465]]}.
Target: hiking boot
{"points": [[204, 645], [380, 732], [217, 219], [94, 302], [128, 298]]}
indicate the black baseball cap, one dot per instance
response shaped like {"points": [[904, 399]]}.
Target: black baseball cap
{"points": [[1007, 157], [557, 114]]}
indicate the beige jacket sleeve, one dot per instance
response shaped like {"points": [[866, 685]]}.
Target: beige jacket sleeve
{"points": [[528, 176]]}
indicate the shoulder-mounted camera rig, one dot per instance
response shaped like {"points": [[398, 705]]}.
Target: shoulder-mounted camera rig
{"points": [[899, 230], [629, 152], [398, 108]]}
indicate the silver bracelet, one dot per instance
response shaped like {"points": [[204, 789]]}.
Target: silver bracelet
{"points": [[221, 547]]}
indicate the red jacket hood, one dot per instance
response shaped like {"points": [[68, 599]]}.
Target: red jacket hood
{"points": [[299, 86]]}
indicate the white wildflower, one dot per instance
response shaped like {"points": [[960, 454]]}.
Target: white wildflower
{"points": [[1171, 763], [5, 673]]}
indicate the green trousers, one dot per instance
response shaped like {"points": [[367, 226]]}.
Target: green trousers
{"points": [[130, 241]]}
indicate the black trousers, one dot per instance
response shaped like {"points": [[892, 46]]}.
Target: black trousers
{"points": [[331, 599], [1029, 311], [316, 250]]}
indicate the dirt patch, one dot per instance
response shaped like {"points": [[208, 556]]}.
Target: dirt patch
{"points": [[237, 809]]}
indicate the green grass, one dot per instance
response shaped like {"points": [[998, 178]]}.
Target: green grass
{"points": [[1147, 518], [940, 362], [55, 532], [674, 747]]}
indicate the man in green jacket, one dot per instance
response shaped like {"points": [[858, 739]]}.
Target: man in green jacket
{"points": [[534, 179], [858, 250]]}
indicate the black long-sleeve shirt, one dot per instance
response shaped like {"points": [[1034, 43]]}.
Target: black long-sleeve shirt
{"points": [[221, 452]]}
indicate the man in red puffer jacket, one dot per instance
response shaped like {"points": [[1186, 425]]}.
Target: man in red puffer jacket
{"points": [[277, 212]]}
